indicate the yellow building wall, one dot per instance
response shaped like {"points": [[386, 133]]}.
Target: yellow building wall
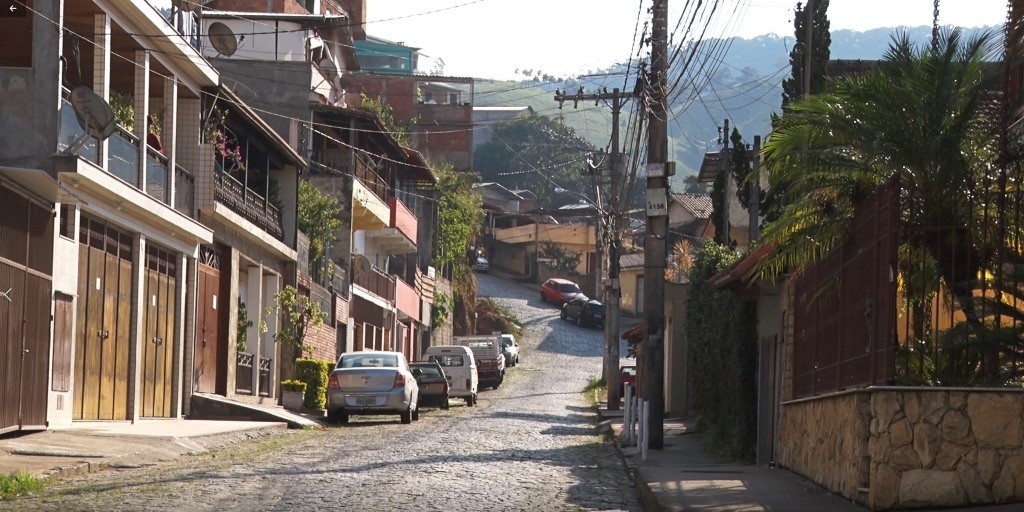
{"points": [[627, 289]]}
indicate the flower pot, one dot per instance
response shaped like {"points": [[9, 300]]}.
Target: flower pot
{"points": [[292, 400]]}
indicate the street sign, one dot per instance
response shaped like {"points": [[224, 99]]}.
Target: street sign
{"points": [[657, 202]]}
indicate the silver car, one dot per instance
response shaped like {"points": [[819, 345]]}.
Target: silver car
{"points": [[372, 383]]}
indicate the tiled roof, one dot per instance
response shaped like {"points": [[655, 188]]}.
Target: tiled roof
{"points": [[697, 204], [631, 260]]}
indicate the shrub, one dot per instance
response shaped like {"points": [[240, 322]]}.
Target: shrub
{"points": [[293, 385], [315, 373]]}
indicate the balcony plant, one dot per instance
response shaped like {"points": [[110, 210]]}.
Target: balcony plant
{"points": [[225, 145]]}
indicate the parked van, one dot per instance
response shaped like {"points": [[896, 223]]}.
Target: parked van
{"points": [[460, 367]]}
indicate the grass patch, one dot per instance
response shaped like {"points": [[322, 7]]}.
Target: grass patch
{"points": [[596, 391], [17, 484]]}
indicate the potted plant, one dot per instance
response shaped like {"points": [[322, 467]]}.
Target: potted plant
{"points": [[293, 393]]}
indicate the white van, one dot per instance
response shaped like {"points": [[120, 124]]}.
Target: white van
{"points": [[460, 367]]}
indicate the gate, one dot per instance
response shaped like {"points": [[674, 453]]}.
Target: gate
{"points": [[158, 342], [26, 261], [104, 322], [207, 350]]}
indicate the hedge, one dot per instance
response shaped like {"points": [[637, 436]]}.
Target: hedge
{"points": [[315, 373], [722, 333]]}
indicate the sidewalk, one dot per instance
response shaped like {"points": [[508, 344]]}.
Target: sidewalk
{"points": [[92, 446], [681, 477]]}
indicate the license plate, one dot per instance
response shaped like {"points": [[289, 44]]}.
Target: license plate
{"points": [[366, 400]]}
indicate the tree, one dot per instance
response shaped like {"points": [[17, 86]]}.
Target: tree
{"points": [[833, 149], [821, 39], [459, 220], [691, 186], [536, 152], [300, 314], [319, 218], [561, 259]]}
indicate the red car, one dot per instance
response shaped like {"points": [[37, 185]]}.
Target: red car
{"points": [[627, 375], [560, 291]]}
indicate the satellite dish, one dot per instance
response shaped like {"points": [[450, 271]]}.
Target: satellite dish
{"points": [[222, 39], [328, 68], [361, 265], [94, 116], [93, 113]]}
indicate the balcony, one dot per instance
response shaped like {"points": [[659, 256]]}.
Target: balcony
{"points": [[399, 236], [379, 284], [402, 219], [248, 203], [122, 161], [369, 211], [407, 301]]}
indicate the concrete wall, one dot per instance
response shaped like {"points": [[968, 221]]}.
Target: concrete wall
{"points": [[278, 87], [898, 448]]}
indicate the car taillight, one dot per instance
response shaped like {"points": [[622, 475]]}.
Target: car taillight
{"points": [[399, 380], [334, 384]]}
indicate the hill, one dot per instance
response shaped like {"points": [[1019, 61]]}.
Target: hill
{"points": [[744, 87]]}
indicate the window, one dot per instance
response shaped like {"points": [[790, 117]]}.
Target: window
{"points": [[67, 220], [447, 360]]}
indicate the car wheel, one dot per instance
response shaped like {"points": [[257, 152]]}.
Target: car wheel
{"points": [[471, 400], [542, 297], [517, 361], [416, 413], [444, 404], [337, 416], [562, 315], [579, 320], [406, 415]]}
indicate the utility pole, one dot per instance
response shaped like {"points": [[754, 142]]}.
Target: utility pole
{"points": [[726, 235], [755, 193], [655, 254], [610, 239]]}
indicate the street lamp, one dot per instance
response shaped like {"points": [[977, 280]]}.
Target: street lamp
{"points": [[606, 227]]}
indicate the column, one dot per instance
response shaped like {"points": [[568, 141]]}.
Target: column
{"points": [[137, 329], [168, 135], [141, 112], [101, 71]]}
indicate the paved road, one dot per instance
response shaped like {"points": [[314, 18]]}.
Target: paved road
{"points": [[529, 445]]}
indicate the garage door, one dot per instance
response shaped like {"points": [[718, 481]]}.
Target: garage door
{"points": [[158, 341], [104, 322]]}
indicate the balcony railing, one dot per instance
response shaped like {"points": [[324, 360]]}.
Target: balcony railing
{"points": [[402, 219], [407, 300], [377, 283], [369, 175], [184, 191], [249, 204], [156, 175]]}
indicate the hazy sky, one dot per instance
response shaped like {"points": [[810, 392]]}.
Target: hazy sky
{"points": [[493, 38]]}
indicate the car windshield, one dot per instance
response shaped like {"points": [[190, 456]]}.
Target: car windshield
{"points": [[507, 341], [446, 360], [368, 361], [568, 288], [596, 308]]}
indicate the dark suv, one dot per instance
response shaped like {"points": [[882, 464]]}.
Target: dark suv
{"points": [[584, 312]]}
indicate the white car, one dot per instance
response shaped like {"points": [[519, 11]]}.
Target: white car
{"points": [[510, 349], [481, 265], [372, 383]]}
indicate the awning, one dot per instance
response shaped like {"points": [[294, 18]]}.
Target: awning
{"points": [[39, 183]]}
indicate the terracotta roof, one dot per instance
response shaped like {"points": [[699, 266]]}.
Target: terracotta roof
{"points": [[697, 204]]}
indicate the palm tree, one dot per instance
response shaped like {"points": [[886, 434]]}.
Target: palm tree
{"points": [[926, 117]]}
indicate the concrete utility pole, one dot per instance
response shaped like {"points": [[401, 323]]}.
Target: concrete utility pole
{"points": [[726, 235], [611, 240], [655, 254]]}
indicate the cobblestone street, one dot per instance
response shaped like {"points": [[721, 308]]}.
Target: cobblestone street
{"points": [[529, 445]]}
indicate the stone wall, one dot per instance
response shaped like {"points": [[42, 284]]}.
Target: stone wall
{"points": [[946, 447], [825, 440], [910, 447]]}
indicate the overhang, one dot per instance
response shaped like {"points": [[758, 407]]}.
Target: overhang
{"points": [[392, 241], [253, 233], [41, 184]]}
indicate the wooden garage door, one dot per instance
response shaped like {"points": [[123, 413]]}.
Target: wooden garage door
{"points": [[158, 340], [207, 350], [26, 262], [104, 322]]}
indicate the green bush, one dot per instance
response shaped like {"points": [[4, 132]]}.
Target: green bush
{"points": [[18, 483], [315, 373], [293, 385], [722, 332]]}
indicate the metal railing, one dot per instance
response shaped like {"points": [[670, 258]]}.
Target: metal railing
{"points": [[248, 204], [243, 373], [123, 160], [156, 175], [368, 174]]}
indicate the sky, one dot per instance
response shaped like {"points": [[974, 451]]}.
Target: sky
{"points": [[495, 38]]}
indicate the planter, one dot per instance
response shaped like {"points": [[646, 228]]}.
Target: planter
{"points": [[292, 400]]}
